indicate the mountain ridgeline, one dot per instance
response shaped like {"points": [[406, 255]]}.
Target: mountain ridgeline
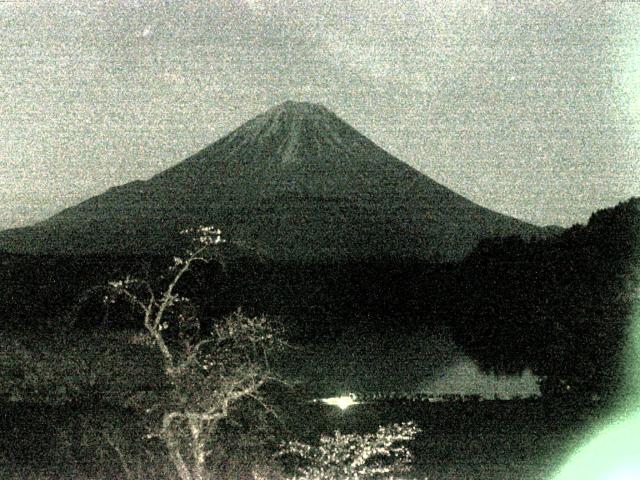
{"points": [[295, 184]]}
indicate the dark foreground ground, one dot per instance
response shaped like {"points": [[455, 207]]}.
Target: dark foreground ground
{"points": [[486, 440]]}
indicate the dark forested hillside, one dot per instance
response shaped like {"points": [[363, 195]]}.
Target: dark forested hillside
{"points": [[560, 306], [312, 299]]}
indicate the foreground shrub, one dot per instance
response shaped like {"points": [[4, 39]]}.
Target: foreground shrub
{"points": [[380, 455]]}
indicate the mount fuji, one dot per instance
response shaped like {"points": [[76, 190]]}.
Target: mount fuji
{"points": [[296, 183]]}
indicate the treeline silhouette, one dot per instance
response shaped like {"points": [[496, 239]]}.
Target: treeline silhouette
{"points": [[310, 299], [559, 306]]}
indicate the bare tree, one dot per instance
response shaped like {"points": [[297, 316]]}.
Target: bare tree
{"points": [[208, 373]]}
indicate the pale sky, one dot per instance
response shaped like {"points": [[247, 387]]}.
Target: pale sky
{"points": [[529, 108]]}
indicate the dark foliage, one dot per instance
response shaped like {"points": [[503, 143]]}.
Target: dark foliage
{"points": [[312, 299], [560, 306]]}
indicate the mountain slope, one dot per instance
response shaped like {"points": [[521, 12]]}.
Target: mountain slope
{"points": [[297, 183]]}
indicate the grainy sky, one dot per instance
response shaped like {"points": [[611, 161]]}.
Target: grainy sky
{"points": [[529, 108]]}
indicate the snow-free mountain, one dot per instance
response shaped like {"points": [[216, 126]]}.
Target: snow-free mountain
{"points": [[295, 183]]}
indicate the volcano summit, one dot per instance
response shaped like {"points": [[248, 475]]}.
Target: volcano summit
{"points": [[297, 183]]}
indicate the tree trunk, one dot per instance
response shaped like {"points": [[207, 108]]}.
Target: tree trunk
{"points": [[174, 448], [198, 446]]}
